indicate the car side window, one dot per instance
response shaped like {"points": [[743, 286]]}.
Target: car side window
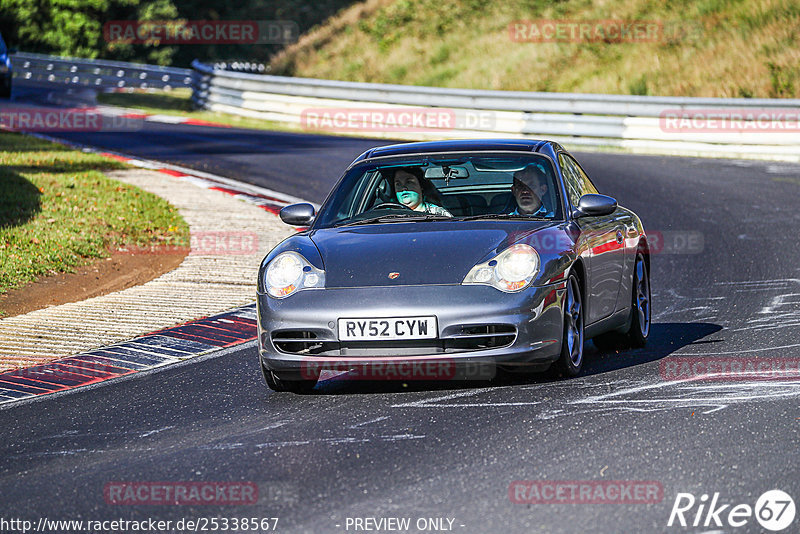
{"points": [[571, 179], [587, 185], [578, 183]]}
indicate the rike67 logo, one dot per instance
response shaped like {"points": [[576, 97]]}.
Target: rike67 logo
{"points": [[774, 511]]}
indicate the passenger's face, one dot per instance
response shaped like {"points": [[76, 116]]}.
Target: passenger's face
{"points": [[409, 192], [529, 189]]}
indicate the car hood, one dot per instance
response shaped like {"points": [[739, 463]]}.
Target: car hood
{"points": [[421, 253]]}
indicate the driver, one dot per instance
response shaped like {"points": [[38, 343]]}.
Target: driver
{"points": [[414, 191], [529, 190]]}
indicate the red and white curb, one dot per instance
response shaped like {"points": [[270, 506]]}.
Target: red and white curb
{"points": [[171, 119], [266, 199], [161, 348], [137, 115], [157, 349]]}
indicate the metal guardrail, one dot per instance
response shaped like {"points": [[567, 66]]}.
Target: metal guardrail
{"points": [[242, 66], [627, 105], [100, 74], [632, 123]]}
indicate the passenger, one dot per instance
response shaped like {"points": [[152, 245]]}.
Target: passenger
{"points": [[530, 190], [417, 192]]}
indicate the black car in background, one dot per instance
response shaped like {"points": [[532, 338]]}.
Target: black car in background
{"points": [[5, 70]]}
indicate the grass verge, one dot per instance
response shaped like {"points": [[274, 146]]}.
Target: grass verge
{"points": [[710, 48], [59, 211]]}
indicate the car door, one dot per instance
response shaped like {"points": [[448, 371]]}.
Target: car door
{"points": [[604, 245]]}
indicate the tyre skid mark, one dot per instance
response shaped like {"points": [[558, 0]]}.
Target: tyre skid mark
{"points": [[649, 397]]}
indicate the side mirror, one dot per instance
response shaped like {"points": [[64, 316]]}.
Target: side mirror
{"points": [[298, 214], [593, 205]]}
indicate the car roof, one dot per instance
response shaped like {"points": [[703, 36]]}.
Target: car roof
{"points": [[459, 145]]}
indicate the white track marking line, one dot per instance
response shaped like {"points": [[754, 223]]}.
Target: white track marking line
{"points": [[151, 432], [365, 423], [166, 119], [735, 351], [483, 405], [427, 403]]}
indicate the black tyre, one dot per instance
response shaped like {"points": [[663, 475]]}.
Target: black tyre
{"points": [[276, 383], [639, 324], [571, 359], [5, 89], [640, 306]]}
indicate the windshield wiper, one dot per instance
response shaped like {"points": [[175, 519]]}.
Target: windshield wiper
{"points": [[502, 216], [398, 217]]}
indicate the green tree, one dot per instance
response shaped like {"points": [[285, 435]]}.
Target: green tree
{"points": [[75, 27]]}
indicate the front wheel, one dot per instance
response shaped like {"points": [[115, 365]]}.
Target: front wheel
{"points": [[276, 383], [571, 359]]}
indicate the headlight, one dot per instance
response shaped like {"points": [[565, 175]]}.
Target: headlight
{"points": [[289, 272], [511, 270]]}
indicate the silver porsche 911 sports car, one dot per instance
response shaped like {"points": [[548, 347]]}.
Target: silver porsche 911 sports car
{"points": [[430, 258]]}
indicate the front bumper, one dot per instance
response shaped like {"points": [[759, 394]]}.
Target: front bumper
{"points": [[532, 322]]}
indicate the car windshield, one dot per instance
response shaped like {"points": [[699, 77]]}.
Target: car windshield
{"points": [[445, 187]]}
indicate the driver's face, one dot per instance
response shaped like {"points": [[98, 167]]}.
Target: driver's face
{"points": [[529, 189], [409, 192]]}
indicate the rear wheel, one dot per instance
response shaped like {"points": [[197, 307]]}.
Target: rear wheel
{"points": [[639, 324], [640, 321], [571, 359], [276, 383]]}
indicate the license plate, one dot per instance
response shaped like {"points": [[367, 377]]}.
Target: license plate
{"points": [[387, 328]]}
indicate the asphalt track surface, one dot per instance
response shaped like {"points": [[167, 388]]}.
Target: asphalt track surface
{"points": [[357, 449]]}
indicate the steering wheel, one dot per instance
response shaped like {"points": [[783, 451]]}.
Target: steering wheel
{"points": [[384, 205]]}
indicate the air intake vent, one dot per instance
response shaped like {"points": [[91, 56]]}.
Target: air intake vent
{"points": [[479, 337], [301, 342]]}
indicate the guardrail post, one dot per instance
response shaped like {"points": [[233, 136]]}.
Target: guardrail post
{"points": [[202, 77]]}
